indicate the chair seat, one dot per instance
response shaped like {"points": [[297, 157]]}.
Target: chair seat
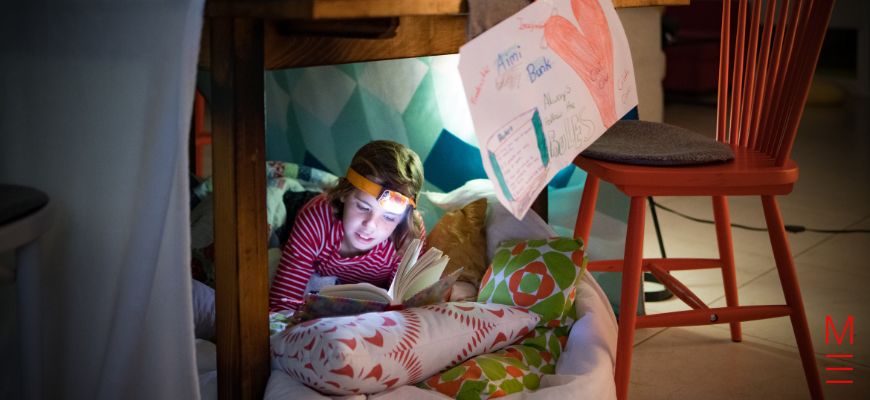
{"points": [[656, 143], [750, 173]]}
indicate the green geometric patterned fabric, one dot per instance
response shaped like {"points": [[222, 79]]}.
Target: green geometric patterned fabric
{"points": [[516, 368], [513, 369], [541, 275], [320, 116], [330, 111]]}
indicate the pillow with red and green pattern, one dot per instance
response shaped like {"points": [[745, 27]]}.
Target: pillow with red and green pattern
{"points": [[372, 352], [514, 369], [540, 275]]}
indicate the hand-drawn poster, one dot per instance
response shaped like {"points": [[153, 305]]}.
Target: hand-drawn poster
{"points": [[542, 86]]}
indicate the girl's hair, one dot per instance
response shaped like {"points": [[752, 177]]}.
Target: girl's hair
{"points": [[393, 166]]}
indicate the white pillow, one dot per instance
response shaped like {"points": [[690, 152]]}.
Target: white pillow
{"points": [[459, 197], [373, 352], [501, 225]]}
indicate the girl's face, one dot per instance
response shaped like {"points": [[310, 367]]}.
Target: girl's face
{"points": [[366, 223]]}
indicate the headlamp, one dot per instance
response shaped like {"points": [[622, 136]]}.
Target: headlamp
{"points": [[390, 200]]}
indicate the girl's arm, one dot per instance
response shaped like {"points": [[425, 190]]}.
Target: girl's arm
{"points": [[297, 260]]}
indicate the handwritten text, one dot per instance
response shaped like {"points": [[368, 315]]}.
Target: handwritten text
{"points": [[537, 68]]}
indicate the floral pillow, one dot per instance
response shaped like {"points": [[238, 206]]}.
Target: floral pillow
{"points": [[540, 275], [372, 352], [514, 369]]}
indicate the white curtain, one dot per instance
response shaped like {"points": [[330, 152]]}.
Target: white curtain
{"points": [[95, 105]]}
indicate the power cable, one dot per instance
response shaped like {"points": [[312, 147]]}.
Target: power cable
{"points": [[788, 228]]}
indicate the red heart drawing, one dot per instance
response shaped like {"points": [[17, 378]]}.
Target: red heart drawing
{"points": [[589, 52]]}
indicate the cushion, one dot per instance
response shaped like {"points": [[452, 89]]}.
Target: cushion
{"points": [[462, 291], [514, 369], [502, 226], [461, 235], [468, 192], [372, 352], [654, 143], [540, 275]]}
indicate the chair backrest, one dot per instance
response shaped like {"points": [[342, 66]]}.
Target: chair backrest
{"points": [[767, 59]]}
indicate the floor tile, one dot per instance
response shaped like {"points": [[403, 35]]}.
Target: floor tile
{"points": [[702, 363], [843, 252], [825, 293]]}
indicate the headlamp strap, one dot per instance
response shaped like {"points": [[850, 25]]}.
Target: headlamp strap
{"points": [[366, 185]]}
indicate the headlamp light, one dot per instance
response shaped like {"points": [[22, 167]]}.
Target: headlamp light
{"points": [[390, 200]]}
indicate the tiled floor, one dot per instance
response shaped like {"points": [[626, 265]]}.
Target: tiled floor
{"points": [[833, 192]]}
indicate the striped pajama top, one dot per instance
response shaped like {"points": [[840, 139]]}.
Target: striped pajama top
{"points": [[314, 245]]}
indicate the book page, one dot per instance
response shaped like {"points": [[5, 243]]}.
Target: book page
{"points": [[361, 291], [423, 279], [435, 293], [426, 260], [410, 253]]}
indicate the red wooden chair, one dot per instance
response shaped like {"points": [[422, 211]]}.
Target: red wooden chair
{"points": [[766, 67]]}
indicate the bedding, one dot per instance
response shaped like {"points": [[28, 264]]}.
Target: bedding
{"points": [[514, 369], [371, 352], [584, 371], [585, 368], [540, 275], [288, 187]]}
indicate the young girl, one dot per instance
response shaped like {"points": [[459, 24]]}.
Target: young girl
{"points": [[353, 231]]}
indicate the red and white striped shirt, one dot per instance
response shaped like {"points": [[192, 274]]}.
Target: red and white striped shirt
{"points": [[314, 245]]}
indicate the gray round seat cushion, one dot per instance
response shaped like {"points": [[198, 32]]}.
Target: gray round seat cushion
{"points": [[654, 143]]}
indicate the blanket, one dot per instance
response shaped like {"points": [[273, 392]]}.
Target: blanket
{"points": [[288, 187]]}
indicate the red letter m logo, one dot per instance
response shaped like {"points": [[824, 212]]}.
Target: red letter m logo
{"points": [[850, 327]]}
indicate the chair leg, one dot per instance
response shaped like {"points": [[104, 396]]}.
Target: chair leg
{"points": [[631, 273], [788, 278], [726, 254], [583, 225]]}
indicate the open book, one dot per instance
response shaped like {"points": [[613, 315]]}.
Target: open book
{"points": [[415, 275]]}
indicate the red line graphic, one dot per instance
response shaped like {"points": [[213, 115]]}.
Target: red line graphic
{"points": [[846, 382], [839, 369], [839, 355]]}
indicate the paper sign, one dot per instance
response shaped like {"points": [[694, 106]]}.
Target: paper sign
{"points": [[542, 86]]}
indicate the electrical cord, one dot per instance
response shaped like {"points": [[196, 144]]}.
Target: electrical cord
{"points": [[788, 228]]}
